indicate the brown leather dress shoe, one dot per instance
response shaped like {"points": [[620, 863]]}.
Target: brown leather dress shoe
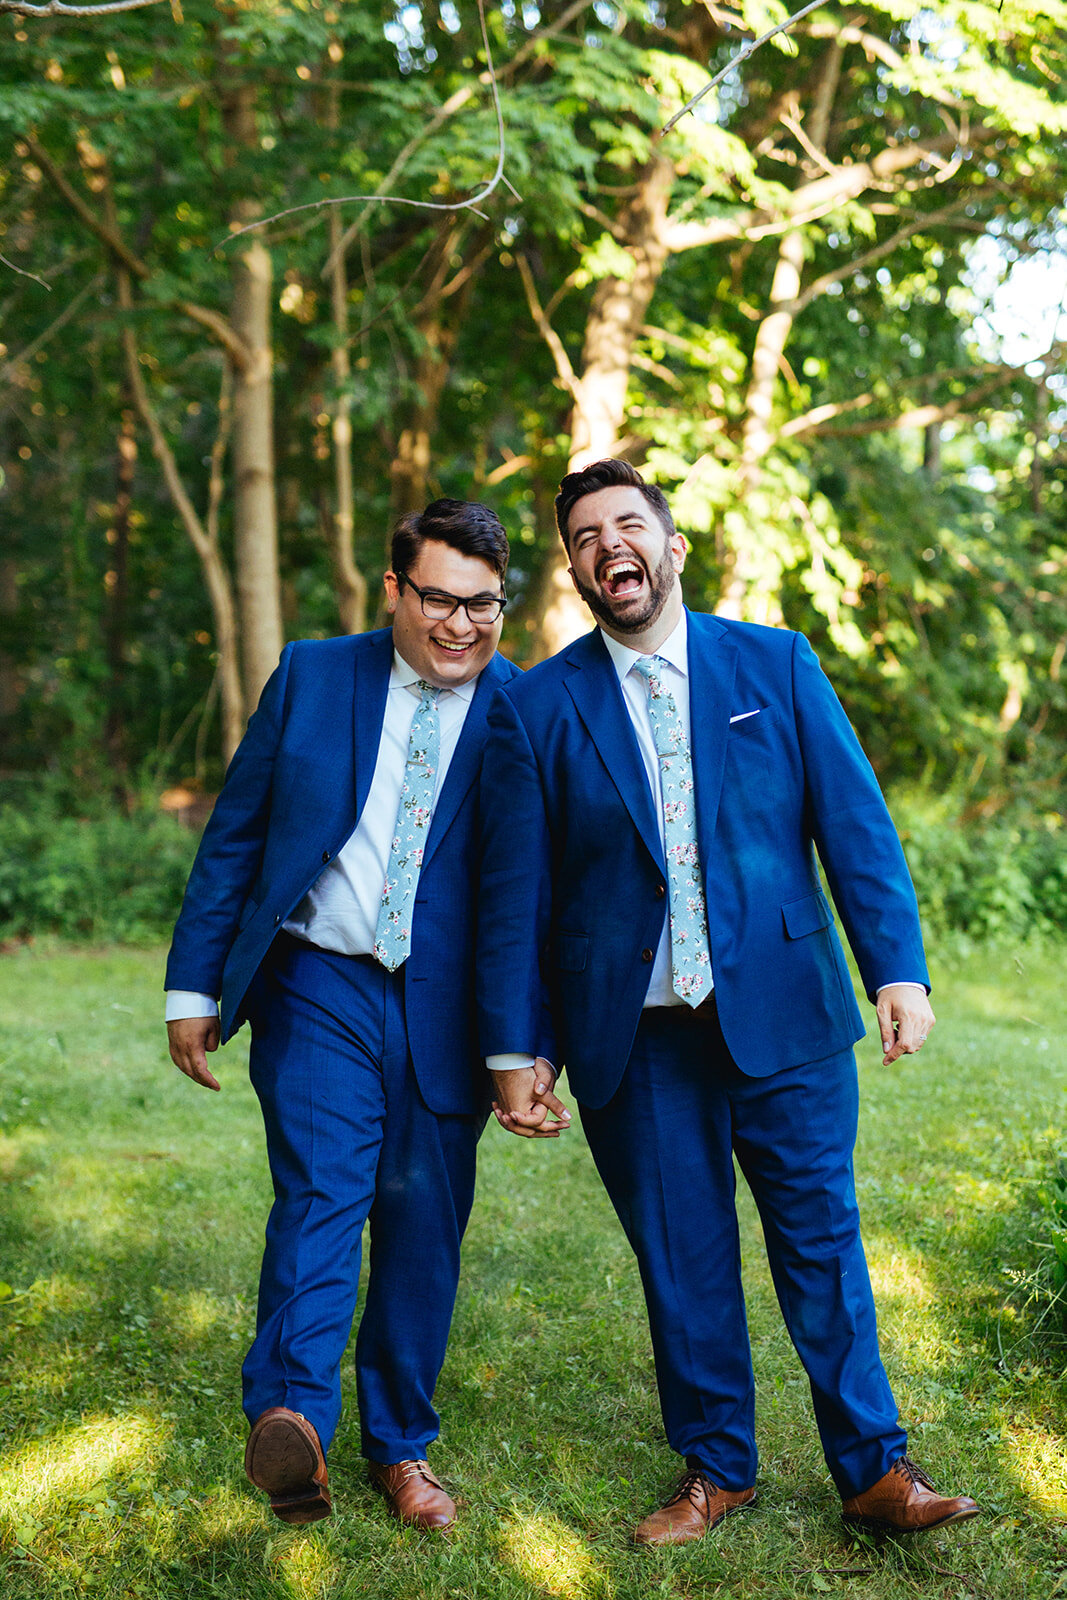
{"points": [[905, 1501], [696, 1506], [413, 1494], [284, 1458]]}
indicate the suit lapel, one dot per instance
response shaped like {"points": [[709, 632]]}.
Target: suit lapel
{"points": [[712, 668], [374, 658], [594, 688], [467, 756]]}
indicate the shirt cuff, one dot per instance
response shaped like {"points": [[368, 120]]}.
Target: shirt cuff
{"points": [[182, 1003], [905, 983], [513, 1061]]}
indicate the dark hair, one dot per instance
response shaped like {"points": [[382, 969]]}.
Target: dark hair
{"points": [[609, 474], [465, 525]]}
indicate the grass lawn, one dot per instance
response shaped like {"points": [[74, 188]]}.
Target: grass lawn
{"points": [[133, 1210]]}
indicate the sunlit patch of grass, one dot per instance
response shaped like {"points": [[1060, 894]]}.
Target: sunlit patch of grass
{"points": [[1037, 1457], [307, 1567], [545, 1552], [231, 1511], [902, 1277], [64, 1467]]}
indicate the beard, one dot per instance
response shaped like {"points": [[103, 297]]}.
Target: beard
{"points": [[614, 613]]}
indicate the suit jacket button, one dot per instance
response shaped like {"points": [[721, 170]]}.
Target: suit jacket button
{"points": [[646, 955], [277, 921], [660, 891], [325, 857]]}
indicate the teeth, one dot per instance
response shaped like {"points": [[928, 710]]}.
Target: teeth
{"points": [[455, 648], [620, 569]]}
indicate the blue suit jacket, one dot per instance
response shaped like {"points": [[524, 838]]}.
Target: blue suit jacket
{"points": [[293, 794], [573, 881]]}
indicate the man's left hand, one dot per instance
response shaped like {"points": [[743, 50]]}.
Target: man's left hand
{"points": [[525, 1103], [904, 1018]]}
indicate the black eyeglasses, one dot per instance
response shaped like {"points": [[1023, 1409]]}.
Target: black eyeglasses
{"points": [[439, 606]]}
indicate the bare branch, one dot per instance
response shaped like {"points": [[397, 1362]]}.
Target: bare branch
{"points": [[735, 61], [918, 224], [22, 273], [564, 369], [400, 200], [56, 8]]}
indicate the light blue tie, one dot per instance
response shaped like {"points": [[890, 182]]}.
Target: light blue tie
{"points": [[690, 945], [392, 936]]}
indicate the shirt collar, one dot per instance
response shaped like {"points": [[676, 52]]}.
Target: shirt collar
{"points": [[403, 676], [673, 650]]}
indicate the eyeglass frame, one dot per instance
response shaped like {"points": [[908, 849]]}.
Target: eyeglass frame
{"points": [[501, 600]]}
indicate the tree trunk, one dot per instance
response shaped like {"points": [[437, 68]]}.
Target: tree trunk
{"points": [[350, 586], [9, 605], [616, 316], [116, 582], [255, 510]]}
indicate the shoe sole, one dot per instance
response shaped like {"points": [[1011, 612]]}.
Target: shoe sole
{"points": [[281, 1461], [880, 1525], [660, 1544]]}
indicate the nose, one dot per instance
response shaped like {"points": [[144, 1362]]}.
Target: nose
{"points": [[459, 624]]}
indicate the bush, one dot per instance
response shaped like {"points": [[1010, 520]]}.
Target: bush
{"points": [[999, 879], [102, 876]]}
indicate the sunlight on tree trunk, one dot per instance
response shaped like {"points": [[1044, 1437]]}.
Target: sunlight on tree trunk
{"points": [[350, 586], [255, 537]]}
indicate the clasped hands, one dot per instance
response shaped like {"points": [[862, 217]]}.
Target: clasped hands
{"points": [[525, 1104]]}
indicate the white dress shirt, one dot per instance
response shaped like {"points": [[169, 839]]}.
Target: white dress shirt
{"points": [[340, 910]]}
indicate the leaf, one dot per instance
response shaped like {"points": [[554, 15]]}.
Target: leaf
{"points": [[6, 1291]]}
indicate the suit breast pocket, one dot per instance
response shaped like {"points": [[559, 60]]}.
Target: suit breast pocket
{"points": [[755, 722], [572, 951]]}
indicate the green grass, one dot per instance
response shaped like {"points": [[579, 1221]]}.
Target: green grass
{"points": [[133, 1208]]}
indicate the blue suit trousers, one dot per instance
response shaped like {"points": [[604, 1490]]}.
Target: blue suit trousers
{"points": [[663, 1146], [350, 1139]]}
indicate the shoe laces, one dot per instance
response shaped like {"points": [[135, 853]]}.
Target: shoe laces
{"points": [[906, 1468], [417, 1469], [686, 1486]]}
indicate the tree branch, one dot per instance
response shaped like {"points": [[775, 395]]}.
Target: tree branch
{"points": [[216, 324], [400, 200], [56, 8], [918, 224], [735, 61], [30, 350], [564, 370]]}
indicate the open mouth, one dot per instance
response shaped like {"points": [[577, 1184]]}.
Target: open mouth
{"points": [[452, 648], [622, 577]]}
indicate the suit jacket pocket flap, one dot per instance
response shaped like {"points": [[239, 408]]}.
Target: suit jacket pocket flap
{"points": [[805, 916], [572, 951]]}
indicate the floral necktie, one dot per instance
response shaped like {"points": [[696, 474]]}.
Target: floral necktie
{"points": [[690, 945], [392, 936]]}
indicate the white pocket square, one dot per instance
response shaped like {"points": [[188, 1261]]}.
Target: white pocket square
{"points": [[743, 714]]}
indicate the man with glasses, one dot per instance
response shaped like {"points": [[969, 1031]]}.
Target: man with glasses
{"points": [[331, 905]]}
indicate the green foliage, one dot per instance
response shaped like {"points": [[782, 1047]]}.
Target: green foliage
{"points": [[989, 879], [103, 875]]}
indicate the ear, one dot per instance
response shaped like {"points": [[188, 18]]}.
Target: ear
{"points": [[679, 551], [574, 580], [392, 591]]}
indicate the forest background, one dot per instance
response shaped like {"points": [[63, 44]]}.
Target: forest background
{"points": [[790, 310]]}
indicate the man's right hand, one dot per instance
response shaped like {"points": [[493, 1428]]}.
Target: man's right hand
{"points": [[190, 1039], [525, 1103]]}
